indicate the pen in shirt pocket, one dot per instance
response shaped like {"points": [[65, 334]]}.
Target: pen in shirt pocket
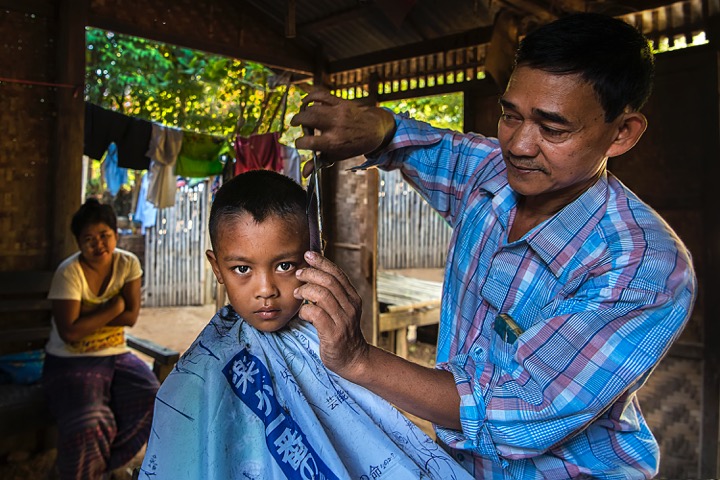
{"points": [[507, 328]]}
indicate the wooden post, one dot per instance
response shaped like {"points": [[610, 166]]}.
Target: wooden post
{"points": [[66, 163], [710, 426]]}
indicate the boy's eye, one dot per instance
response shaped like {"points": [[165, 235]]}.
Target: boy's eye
{"points": [[242, 269], [285, 266]]}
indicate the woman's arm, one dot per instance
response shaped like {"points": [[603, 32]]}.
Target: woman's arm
{"points": [[131, 294], [74, 325]]}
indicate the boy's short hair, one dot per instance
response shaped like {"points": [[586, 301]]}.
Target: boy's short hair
{"points": [[92, 212], [261, 193], [613, 56]]}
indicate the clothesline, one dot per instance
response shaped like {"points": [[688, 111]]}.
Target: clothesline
{"points": [[77, 88], [168, 153]]}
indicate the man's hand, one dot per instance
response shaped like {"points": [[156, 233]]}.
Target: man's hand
{"points": [[346, 128], [334, 307]]}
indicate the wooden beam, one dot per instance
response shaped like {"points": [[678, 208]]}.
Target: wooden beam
{"points": [[473, 37], [333, 20], [40, 7], [291, 57], [529, 7]]}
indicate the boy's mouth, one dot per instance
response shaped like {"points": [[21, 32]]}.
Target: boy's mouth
{"points": [[267, 313]]}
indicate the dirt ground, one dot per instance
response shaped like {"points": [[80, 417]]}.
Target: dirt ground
{"points": [[175, 328]]}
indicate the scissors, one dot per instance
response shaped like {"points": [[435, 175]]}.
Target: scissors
{"points": [[314, 205]]}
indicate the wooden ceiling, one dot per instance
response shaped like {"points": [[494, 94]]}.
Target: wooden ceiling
{"points": [[361, 46], [348, 34]]}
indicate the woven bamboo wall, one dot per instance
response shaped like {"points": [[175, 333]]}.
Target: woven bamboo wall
{"points": [[27, 121], [671, 404]]}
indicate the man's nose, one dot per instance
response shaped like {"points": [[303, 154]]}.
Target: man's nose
{"points": [[524, 141]]}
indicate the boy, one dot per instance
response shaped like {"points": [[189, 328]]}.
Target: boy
{"points": [[251, 398]]}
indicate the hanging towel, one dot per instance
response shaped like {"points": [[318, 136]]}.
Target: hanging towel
{"points": [[242, 403], [115, 176], [145, 212], [131, 135], [165, 144], [200, 155], [258, 152]]}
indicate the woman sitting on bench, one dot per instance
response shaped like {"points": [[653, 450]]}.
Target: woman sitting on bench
{"points": [[101, 394]]}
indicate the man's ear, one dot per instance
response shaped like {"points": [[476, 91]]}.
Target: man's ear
{"points": [[630, 127], [213, 263]]}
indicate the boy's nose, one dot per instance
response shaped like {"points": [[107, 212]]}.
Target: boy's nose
{"points": [[266, 287]]}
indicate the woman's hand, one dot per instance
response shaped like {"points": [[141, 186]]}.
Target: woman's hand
{"points": [[334, 307]]}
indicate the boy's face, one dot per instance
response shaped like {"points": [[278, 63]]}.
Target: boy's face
{"points": [[257, 262]]}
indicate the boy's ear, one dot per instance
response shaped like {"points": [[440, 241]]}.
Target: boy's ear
{"points": [[213, 263], [631, 126]]}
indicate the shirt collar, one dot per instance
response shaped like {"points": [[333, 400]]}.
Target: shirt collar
{"points": [[558, 239]]}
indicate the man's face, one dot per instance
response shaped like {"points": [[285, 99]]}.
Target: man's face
{"points": [[553, 136], [257, 263]]}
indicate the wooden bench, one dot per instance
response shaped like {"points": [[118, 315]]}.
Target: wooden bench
{"points": [[25, 325]]}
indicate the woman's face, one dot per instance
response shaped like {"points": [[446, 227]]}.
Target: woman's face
{"points": [[97, 242]]}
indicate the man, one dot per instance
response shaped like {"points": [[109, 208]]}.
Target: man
{"points": [[562, 289]]}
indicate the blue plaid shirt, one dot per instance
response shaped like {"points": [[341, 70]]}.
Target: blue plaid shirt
{"points": [[599, 291]]}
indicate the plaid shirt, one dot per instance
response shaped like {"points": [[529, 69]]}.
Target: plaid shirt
{"points": [[599, 291]]}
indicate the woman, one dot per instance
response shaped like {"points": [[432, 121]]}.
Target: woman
{"points": [[101, 394]]}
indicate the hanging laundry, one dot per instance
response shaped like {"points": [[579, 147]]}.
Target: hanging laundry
{"points": [[291, 163], [165, 144], [200, 155], [115, 176], [131, 135], [258, 152], [145, 215]]}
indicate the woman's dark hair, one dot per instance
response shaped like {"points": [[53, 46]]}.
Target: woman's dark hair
{"points": [[93, 212], [614, 57], [261, 193]]}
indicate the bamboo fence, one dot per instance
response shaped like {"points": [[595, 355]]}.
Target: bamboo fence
{"points": [[175, 269], [410, 233]]}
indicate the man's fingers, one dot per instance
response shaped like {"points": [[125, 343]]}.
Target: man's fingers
{"points": [[317, 115], [320, 95], [326, 274]]}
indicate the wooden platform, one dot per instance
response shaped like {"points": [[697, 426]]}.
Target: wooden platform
{"points": [[409, 299]]}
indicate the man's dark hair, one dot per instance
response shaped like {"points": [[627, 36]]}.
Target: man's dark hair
{"points": [[614, 57], [261, 193], [92, 212]]}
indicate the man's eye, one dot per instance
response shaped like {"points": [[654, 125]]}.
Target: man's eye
{"points": [[552, 132], [285, 266], [242, 269], [508, 117]]}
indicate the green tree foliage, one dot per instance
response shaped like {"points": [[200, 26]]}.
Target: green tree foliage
{"points": [[442, 111], [184, 88]]}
